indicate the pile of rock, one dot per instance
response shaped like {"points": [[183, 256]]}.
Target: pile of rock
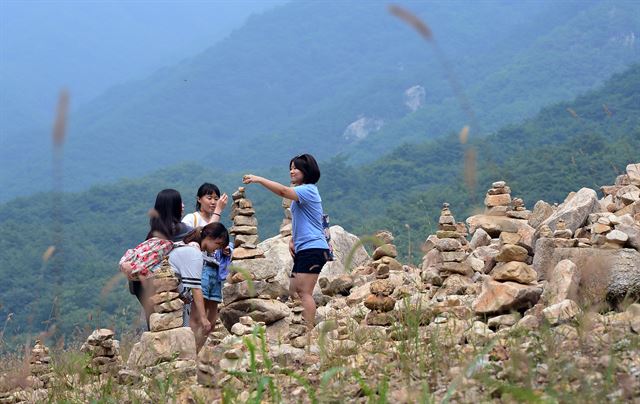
{"points": [[450, 246], [245, 227], [218, 358], [624, 196], [384, 256], [40, 363], [380, 303], [512, 284], [518, 210], [498, 199], [285, 227], [104, 352], [167, 306], [168, 340], [297, 326]]}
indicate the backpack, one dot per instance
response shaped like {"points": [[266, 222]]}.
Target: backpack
{"points": [[327, 236], [145, 258]]}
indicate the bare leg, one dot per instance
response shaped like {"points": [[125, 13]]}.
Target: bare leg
{"points": [[304, 284], [212, 312]]}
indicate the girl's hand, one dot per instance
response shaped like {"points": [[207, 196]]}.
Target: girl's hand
{"points": [[221, 204], [226, 251], [250, 178], [292, 248]]}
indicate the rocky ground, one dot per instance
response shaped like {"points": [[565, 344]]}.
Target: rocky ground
{"points": [[511, 305]]}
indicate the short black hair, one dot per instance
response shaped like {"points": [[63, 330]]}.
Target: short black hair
{"points": [[308, 166], [206, 189]]}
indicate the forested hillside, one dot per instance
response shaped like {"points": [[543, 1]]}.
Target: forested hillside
{"points": [[566, 146], [325, 76]]}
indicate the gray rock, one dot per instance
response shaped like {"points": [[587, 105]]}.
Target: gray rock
{"points": [[561, 312], [502, 297], [574, 211], [633, 172], [541, 211], [233, 292], [268, 311], [479, 239], [633, 234], [563, 283], [163, 346], [606, 275]]}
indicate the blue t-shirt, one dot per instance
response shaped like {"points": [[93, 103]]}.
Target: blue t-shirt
{"points": [[306, 215]]}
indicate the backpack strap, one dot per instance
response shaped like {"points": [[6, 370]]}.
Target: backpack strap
{"points": [[195, 220]]}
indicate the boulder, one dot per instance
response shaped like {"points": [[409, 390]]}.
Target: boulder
{"points": [[267, 311], [606, 275], [165, 321], [563, 282], [379, 303], [633, 172], [541, 211], [163, 346], [574, 211], [633, 234], [448, 244], [514, 271], [502, 297]]}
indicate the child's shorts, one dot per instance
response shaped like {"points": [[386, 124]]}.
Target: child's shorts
{"points": [[211, 284]]}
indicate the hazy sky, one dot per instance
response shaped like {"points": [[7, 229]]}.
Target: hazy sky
{"points": [[89, 46]]}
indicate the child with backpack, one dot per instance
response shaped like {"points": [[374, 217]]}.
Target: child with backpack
{"points": [[209, 206], [165, 225], [308, 244]]}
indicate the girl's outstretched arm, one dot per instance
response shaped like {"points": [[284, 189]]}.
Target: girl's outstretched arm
{"points": [[275, 187]]}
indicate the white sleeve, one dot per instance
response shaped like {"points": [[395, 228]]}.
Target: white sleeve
{"points": [[188, 220], [187, 261]]}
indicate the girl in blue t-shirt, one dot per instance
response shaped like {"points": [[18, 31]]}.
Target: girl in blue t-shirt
{"points": [[308, 245]]}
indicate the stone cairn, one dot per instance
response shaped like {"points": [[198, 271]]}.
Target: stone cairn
{"points": [[498, 199], [512, 261], [518, 210], [285, 227], [380, 303], [104, 352], [384, 256], [245, 227], [449, 242], [297, 326], [40, 363], [220, 355], [167, 305]]}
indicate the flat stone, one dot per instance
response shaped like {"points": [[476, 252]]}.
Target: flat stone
{"points": [[242, 253], [497, 200], [165, 321], [453, 256], [243, 230], [100, 335], [233, 292], [385, 250], [504, 320], [165, 284], [448, 244], [379, 303], [241, 220], [171, 305], [163, 297], [241, 239], [514, 271], [510, 252], [383, 287]]}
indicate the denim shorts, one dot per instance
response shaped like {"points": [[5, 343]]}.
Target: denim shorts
{"points": [[211, 284]]}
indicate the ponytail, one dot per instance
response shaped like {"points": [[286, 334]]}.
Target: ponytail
{"points": [[214, 230]]}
